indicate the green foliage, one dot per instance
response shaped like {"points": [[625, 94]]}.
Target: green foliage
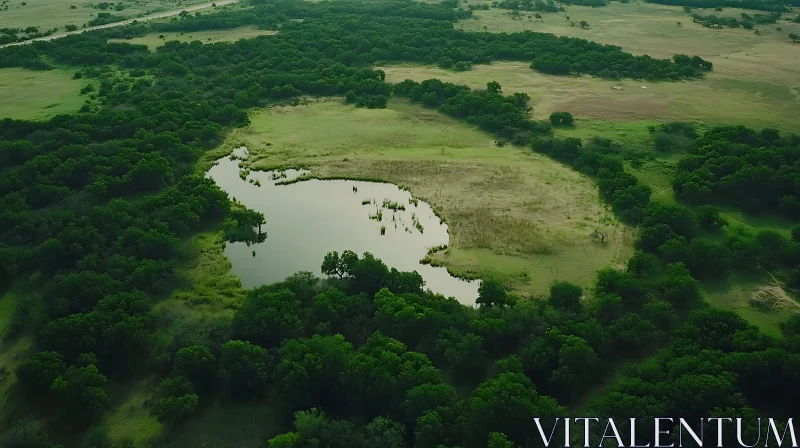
{"points": [[499, 440], [492, 292], [715, 21], [81, 395], [37, 373], [762, 5], [100, 201], [566, 296], [508, 404], [26, 433], [245, 369], [741, 167], [709, 219], [309, 371], [267, 317], [175, 409], [678, 286], [333, 264], [198, 364], [561, 119]]}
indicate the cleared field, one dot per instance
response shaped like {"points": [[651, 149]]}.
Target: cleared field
{"points": [[510, 212], [754, 81], [154, 40], [48, 14], [643, 28], [35, 95], [720, 98]]}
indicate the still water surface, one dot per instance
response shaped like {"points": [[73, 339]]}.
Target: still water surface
{"points": [[308, 219]]}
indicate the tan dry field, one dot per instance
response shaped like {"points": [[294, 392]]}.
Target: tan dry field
{"points": [[754, 81]]}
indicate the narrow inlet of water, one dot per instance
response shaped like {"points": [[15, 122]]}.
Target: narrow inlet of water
{"points": [[308, 219]]}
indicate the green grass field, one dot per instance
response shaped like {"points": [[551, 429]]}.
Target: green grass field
{"points": [[48, 14], [510, 212], [36, 95], [154, 40]]}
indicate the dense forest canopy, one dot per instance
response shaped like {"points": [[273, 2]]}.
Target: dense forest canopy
{"points": [[99, 201]]}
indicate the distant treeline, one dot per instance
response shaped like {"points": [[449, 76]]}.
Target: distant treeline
{"points": [[361, 40], [747, 21], [758, 5], [528, 5]]}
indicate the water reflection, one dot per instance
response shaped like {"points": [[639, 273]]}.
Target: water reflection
{"points": [[306, 220]]}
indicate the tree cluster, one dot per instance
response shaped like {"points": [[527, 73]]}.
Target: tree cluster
{"points": [[528, 5], [504, 116], [756, 171], [747, 21]]}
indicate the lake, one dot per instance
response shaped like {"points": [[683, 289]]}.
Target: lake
{"points": [[308, 219]]}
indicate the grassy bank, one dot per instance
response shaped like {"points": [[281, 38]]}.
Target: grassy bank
{"points": [[510, 212]]}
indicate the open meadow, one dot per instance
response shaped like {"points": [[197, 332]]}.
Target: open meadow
{"points": [[49, 14], [754, 79], [511, 212], [36, 95]]}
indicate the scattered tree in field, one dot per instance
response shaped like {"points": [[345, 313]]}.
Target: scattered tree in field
{"points": [[561, 119], [583, 24], [794, 37], [342, 266]]}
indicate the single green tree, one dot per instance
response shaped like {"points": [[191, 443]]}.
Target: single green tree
{"points": [[566, 295], [492, 292]]}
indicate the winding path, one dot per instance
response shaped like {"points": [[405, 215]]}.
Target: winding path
{"points": [[158, 15]]}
